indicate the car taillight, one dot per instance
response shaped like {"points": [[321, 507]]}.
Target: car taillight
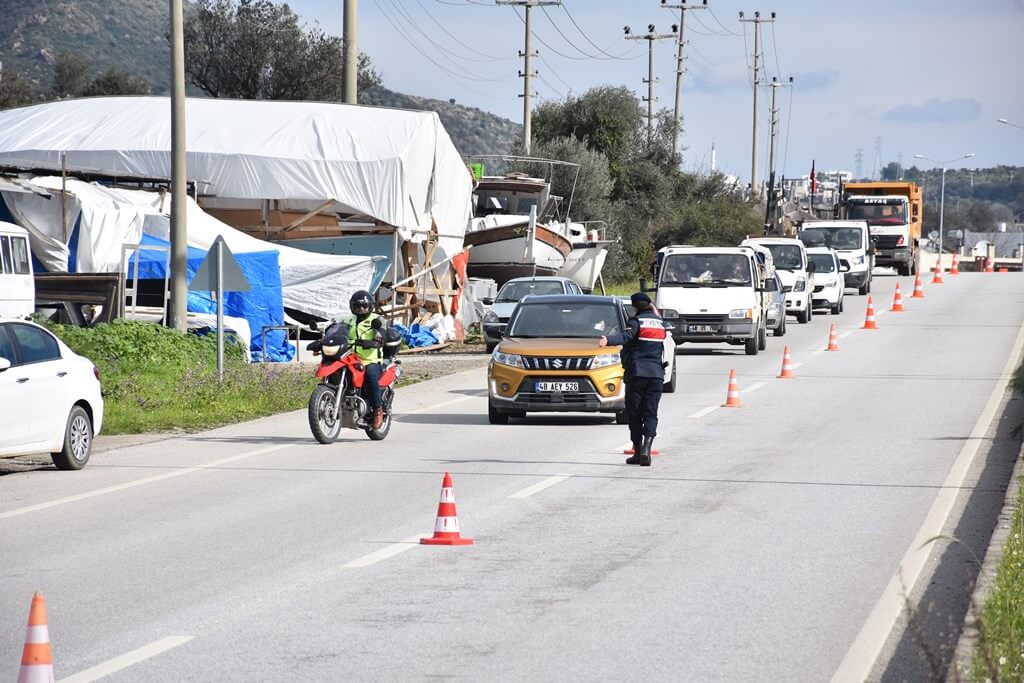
{"points": [[96, 372]]}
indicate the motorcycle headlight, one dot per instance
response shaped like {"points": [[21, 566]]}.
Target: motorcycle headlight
{"points": [[605, 360], [741, 314], [491, 317], [801, 285], [510, 359], [669, 313], [330, 350]]}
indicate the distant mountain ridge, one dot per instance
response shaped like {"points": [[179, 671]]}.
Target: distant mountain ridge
{"points": [[131, 35]]}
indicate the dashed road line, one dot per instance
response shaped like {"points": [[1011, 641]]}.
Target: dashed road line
{"points": [[846, 334], [703, 411], [385, 553], [443, 404], [754, 387], [126, 660], [540, 486]]}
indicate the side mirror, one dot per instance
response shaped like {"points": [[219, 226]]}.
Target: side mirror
{"points": [[4, 364], [844, 266], [770, 286], [314, 327], [487, 301], [811, 267], [644, 286]]}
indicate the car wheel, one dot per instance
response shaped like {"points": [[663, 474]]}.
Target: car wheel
{"points": [[77, 441], [750, 346], [670, 386], [621, 418], [837, 309], [804, 316], [490, 347], [780, 331], [520, 415], [762, 338], [494, 417], [866, 289]]}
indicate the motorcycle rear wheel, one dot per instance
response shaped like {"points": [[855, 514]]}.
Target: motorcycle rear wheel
{"points": [[321, 403]]}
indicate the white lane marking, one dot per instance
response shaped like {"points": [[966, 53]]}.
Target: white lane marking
{"points": [[817, 351], [139, 482], [704, 411], [443, 404], [846, 334], [754, 387], [796, 365], [860, 658], [385, 553], [126, 660], [541, 485]]}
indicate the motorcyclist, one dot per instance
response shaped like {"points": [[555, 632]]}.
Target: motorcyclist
{"points": [[368, 341]]}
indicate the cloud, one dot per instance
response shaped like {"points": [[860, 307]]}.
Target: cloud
{"points": [[936, 111], [816, 80]]}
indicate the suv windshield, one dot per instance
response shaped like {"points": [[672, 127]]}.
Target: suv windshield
{"points": [[576, 320], [877, 213], [823, 263], [515, 291], [786, 256], [697, 270]]}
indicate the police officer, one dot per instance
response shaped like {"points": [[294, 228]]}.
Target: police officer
{"points": [[368, 342], [642, 343]]}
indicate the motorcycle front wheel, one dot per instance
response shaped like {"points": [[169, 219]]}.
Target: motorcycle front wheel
{"points": [[322, 422]]}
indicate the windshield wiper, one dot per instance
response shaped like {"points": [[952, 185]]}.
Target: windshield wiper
{"points": [[729, 281]]}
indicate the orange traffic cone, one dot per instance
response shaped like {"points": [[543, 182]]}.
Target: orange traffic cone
{"points": [[918, 289], [37, 658], [989, 266], [937, 277], [833, 340], [732, 398], [869, 319], [629, 451], [897, 301], [787, 365], [446, 528], [955, 270]]}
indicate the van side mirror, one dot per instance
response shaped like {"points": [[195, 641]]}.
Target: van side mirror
{"points": [[770, 286], [844, 266], [487, 301], [4, 364], [811, 267], [644, 286]]}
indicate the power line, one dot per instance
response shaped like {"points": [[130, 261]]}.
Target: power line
{"points": [[775, 51], [459, 41], [789, 119], [587, 38], [555, 73], [724, 27]]}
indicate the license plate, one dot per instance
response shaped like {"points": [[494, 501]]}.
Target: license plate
{"points": [[702, 328], [564, 387]]}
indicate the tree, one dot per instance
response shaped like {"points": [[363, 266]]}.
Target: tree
{"points": [[70, 75], [15, 91], [256, 49], [115, 81], [892, 171], [589, 189]]}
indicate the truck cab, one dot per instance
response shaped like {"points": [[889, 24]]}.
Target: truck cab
{"points": [[852, 240], [714, 295], [17, 284], [893, 212], [794, 269]]}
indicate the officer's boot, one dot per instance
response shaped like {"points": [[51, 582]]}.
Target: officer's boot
{"points": [[637, 447], [644, 454]]}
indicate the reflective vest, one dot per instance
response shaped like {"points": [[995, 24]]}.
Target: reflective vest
{"points": [[363, 330]]}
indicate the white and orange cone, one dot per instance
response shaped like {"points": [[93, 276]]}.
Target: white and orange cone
{"points": [[897, 301], [37, 658], [918, 289], [869, 318], [787, 365], [446, 528], [732, 398], [989, 266], [937, 277], [955, 270], [833, 340]]}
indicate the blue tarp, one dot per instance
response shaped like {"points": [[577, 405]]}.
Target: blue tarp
{"points": [[415, 336], [260, 306]]}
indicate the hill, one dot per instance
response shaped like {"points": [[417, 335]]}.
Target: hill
{"points": [[131, 35]]}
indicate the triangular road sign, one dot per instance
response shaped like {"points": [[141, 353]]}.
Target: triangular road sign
{"points": [[205, 279]]}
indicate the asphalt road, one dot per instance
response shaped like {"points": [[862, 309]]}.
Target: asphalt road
{"points": [[756, 547]]}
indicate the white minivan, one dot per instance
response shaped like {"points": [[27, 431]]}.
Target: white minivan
{"points": [[714, 295], [794, 269], [17, 286], [852, 240]]}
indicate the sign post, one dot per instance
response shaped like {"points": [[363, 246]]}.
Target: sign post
{"points": [[218, 272]]}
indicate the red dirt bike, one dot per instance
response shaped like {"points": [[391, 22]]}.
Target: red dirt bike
{"points": [[338, 402]]}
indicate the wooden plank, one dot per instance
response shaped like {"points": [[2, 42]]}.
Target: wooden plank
{"points": [[424, 349]]}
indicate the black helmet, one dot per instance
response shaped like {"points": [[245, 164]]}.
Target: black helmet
{"points": [[361, 302]]}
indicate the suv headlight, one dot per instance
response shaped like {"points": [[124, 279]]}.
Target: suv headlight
{"points": [[605, 360], [669, 313], [491, 317], [741, 314], [801, 284], [509, 359]]}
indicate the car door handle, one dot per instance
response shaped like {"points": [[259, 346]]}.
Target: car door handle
{"points": [[22, 380], [62, 373]]}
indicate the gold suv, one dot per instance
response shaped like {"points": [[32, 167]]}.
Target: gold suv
{"points": [[549, 360]]}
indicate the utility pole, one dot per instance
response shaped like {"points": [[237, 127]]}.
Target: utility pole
{"points": [[774, 111], [527, 73], [650, 37], [876, 174], [177, 317], [858, 159], [680, 70], [755, 186], [350, 55]]}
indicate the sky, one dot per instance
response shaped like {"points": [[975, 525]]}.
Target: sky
{"points": [[927, 77]]}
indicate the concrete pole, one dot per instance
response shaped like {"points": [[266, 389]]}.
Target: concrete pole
{"points": [[527, 92], [774, 127], [755, 188], [650, 89], [178, 315], [350, 38], [680, 58]]}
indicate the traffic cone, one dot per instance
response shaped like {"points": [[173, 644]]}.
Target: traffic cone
{"points": [[918, 289], [446, 528], [869, 319], [989, 266], [732, 398], [833, 340], [37, 658], [629, 451], [937, 276], [787, 365], [955, 270], [897, 301]]}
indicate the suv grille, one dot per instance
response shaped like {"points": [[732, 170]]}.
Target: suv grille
{"points": [[557, 362]]}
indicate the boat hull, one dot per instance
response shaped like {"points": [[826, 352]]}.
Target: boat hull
{"points": [[502, 253], [584, 263]]}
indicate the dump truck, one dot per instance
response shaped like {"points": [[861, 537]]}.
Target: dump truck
{"points": [[893, 212]]}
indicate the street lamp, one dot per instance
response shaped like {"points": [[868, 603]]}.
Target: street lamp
{"points": [[942, 194], [1009, 123]]}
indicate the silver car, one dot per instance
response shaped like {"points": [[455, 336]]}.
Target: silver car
{"points": [[777, 309], [511, 293]]}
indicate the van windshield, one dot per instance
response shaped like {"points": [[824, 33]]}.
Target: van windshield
{"points": [[696, 270], [786, 256], [840, 238]]}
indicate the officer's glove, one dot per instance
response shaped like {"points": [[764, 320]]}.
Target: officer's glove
{"points": [[377, 323]]}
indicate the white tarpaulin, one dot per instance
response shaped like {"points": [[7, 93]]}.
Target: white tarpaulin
{"points": [[318, 284], [394, 165]]}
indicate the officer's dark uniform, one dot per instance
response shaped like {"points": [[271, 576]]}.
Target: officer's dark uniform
{"points": [[642, 343]]}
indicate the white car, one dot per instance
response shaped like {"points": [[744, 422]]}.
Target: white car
{"points": [[827, 279], [790, 257], [50, 396]]}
